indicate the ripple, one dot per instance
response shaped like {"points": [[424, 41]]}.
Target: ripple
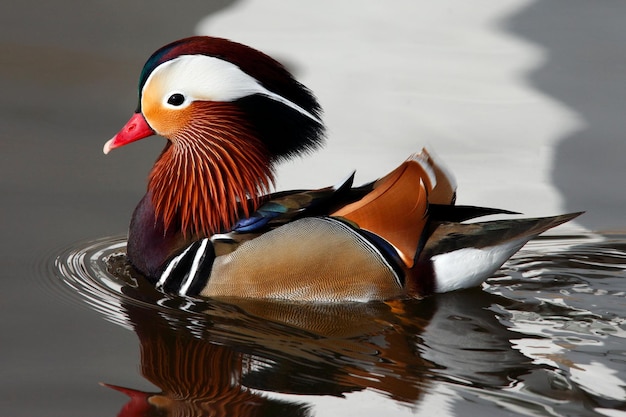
{"points": [[83, 271], [554, 312]]}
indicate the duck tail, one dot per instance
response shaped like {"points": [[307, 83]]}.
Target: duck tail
{"points": [[460, 255]]}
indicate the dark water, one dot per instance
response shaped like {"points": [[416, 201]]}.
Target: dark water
{"points": [[545, 336]]}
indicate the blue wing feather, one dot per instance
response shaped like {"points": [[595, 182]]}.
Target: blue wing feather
{"points": [[285, 207]]}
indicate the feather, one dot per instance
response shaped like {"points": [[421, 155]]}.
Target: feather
{"points": [[202, 177], [450, 213], [396, 207], [458, 255]]}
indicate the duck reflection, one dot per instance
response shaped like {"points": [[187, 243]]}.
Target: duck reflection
{"points": [[197, 378], [244, 357]]}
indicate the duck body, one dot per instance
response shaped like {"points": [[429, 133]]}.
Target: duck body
{"points": [[207, 225]]}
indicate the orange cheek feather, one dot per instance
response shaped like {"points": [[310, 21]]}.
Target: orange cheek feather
{"points": [[166, 122]]}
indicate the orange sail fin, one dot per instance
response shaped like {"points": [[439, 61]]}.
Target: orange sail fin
{"points": [[396, 208]]}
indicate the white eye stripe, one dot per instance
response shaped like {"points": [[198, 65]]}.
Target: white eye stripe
{"points": [[207, 78], [288, 103]]}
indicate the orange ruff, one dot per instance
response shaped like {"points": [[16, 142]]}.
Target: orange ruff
{"points": [[208, 170]]}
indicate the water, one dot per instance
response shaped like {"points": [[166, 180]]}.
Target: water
{"points": [[544, 336], [524, 99]]}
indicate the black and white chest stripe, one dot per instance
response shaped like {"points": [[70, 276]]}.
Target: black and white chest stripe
{"points": [[188, 272]]}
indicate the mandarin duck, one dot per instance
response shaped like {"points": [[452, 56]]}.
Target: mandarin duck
{"points": [[209, 227]]}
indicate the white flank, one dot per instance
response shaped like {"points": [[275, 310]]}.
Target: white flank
{"points": [[469, 267], [206, 78]]}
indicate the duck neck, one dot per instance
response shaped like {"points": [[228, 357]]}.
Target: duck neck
{"points": [[203, 181], [204, 174]]}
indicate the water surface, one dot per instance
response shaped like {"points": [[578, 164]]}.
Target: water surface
{"points": [[544, 336]]}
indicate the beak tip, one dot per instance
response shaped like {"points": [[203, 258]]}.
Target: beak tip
{"points": [[108, 146]]}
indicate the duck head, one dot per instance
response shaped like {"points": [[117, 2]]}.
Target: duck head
{"points": [[229, 112]]}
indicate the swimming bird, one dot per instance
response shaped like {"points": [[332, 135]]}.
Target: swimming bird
{"points": [[209, 226]]}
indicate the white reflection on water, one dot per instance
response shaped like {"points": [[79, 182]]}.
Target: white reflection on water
{"points": [[599, 380], [578, 330], [393, 77], [559, 348]]}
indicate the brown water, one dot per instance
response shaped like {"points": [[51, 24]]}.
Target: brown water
{"points": [[545, 336]]}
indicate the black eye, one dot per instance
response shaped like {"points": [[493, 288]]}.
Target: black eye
{"points": [[176, 99]]}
